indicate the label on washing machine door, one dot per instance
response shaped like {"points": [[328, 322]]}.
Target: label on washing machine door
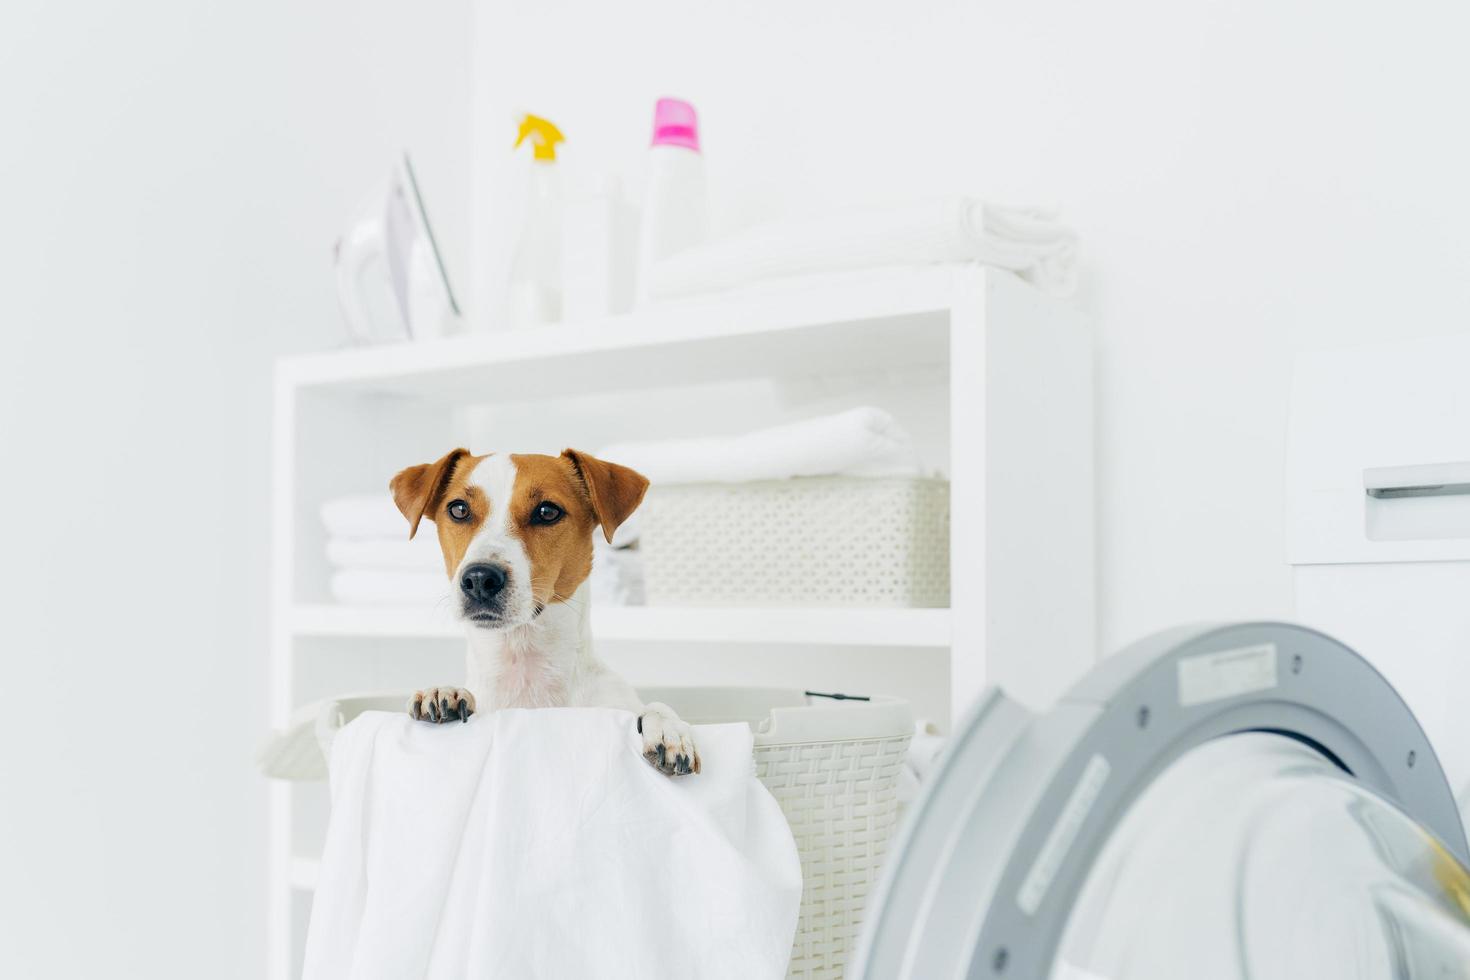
{"points": [[1063, 834], [1208, 677]]}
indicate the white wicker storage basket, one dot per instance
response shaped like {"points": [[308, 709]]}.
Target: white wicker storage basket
{"points": [[833, 767], [810, 541]]}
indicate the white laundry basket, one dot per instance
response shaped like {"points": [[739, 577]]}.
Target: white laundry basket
{"points": [[833, 766], [809, 541]]}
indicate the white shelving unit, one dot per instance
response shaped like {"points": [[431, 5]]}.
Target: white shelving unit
{"points": [[999, 373]]}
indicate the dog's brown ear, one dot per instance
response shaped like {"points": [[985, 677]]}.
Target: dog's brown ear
{"points": [[615, 491], [417, 489]]}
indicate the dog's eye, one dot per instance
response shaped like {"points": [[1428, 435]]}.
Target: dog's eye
{"points": [[546, 513], [458, 510]]}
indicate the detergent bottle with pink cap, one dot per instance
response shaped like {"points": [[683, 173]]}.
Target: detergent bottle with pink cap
{"points": [[675, 204]]}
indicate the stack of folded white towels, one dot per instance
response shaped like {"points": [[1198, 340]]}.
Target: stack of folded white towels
{"points": [[1031, 242], [375, 564], [373, 561]]}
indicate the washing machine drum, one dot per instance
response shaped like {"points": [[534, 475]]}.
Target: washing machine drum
{"points": [[1238, 802]]}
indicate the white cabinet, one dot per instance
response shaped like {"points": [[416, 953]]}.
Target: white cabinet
{"points": [[993, 378]]}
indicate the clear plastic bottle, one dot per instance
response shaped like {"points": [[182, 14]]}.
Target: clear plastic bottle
{"points": [[675, 202]]}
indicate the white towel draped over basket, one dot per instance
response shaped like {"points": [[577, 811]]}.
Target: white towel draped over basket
{"points": [[541, 844]]}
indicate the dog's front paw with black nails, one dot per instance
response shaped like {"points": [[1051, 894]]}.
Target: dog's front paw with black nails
{"points": [[668, 743], [441, 704]]}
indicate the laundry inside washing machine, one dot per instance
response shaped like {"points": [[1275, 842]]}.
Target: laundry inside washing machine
{"points": [[1250, 801], [1254, 855]]}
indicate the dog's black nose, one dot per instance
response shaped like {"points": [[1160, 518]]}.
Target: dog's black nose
{"points": [[482, 582]]}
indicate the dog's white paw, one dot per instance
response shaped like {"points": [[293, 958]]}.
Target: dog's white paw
{"points": [[668, 743], [441, 704]]}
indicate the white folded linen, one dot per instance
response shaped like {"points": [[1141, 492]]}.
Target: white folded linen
{"points": [[364, 515], [378, 587], [617, 575], [858, 442], [1028, 241], [396, 553], [539, 843]]}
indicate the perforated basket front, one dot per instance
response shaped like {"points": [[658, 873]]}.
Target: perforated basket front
{"points": [[813, 541]]}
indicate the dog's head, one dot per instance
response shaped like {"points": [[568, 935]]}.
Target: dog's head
{"points": [[516, 529]]}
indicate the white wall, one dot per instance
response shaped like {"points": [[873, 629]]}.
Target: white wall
{"points": [[1248, 179], [175, 174]]}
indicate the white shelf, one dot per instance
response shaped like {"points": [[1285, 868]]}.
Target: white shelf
{"points": [[863, 627], [1009, 367], [830, 326]]}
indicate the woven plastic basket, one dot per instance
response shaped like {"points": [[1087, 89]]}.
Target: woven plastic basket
{"points": [[833, 766], [811, 541]]}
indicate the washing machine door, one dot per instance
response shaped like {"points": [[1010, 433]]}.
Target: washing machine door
{"points": [[1249, 801]]}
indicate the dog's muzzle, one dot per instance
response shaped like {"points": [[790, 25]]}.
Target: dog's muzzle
{"points": [[483, 589]]}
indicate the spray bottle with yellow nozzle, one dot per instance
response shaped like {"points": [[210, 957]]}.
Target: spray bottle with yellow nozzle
{"points": [[535, 275]]}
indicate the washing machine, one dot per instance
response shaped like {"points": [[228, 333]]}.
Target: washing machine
{"points": [[1216, 803]]}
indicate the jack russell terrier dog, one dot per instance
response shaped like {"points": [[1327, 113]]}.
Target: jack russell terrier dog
{"points": [[516, 532]]}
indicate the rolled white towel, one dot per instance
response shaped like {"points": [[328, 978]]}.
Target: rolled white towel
{"points": [[364, 515], [1027, 241], [858, 442], [374, 587], [397, 553]]}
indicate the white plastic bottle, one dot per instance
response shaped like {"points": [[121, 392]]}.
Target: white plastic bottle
{"points": [[535, 272], [597, 244], [675, 203]]}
